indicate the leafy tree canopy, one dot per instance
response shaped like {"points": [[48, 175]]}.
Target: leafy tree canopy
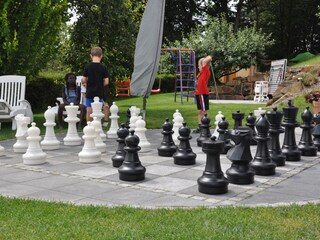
{"points": [[230, 50], [29, 34], [110, 24]]}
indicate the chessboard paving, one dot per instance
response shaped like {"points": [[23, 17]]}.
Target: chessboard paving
{"points": [[64, 178]]}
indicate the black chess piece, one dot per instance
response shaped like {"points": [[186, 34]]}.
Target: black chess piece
{"points": [[127, 124], [238, 117], [118, 158], [306, 145], [275, 117], [316, 131], [213, 181], [262, 163], [131, 168], [167, 147], [251, 120], [184, 154], [222, 130], [205, 132], [289, 147], [240, 171]]}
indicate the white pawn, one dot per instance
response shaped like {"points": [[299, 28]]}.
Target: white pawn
{"points": [[72, 138], [98, 141], [112, 133], [218, 118], [89, 153], [1, 150], [177, 123], [140, 131], [21, 144], [97, 112], [257, 113], [50, 141], [176, 113], [34, 154], [134, 117]]}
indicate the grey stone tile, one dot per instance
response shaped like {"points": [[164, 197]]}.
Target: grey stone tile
{"points": [[53, 181], [95, 172], [168, 184], [174, 201], [163, 170], [22, 176], [128, 196], [18, 190], [55, 196], [87, 189]]}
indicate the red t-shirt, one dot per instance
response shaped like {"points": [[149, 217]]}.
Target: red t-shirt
{"points": [[203, 79]]}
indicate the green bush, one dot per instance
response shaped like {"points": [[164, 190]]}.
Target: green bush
{"points": [[308, 78], [167, 82], [42, 92]]}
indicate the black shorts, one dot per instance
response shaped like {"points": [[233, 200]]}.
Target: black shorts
{"points": [[202, 102]]}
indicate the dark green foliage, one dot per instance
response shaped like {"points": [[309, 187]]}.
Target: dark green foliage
{"points": [[29, 34], [42, 92], [113, 26]]}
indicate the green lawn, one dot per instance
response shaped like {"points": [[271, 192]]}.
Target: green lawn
{"points": [[26, 219], [309, 62]]}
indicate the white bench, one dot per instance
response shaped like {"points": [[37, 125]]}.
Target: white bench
{"points": [[12, 99]]}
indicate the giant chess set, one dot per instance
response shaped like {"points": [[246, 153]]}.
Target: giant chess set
{"points": [[224, 166]]}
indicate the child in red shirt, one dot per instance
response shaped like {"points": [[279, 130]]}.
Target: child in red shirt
{"points": [[202, 90]]}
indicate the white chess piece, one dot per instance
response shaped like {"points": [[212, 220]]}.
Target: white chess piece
{"points": [[98, 141], [176, 113], [97, 112], [21, 144], [1, 150], [89, 153], [112, 133], [134, 117], [50, 141], [218, 118], [177, 123], [140, 131], [72, 138], [34, 154]]}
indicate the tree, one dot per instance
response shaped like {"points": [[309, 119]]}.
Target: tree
{"points": [[230, 50], [29, 34], [110, 24], [293, 25], [181, 16]]}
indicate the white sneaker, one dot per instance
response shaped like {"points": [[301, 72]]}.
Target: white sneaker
{"points": [[105, 124]]}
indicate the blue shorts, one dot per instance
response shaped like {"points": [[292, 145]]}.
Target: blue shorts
{"points": [[90, 100]]}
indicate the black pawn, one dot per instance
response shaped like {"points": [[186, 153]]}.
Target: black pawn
{"points": [[251, 120], [222, 130], [131, 168], [184, 155], [289, 147], [167, 147], [212, 181], [306, 145], [238, 117], [262, 163], [118, 158], [205, 132], [275, 117], [127, 125], [316, 132], [240, 171]]}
